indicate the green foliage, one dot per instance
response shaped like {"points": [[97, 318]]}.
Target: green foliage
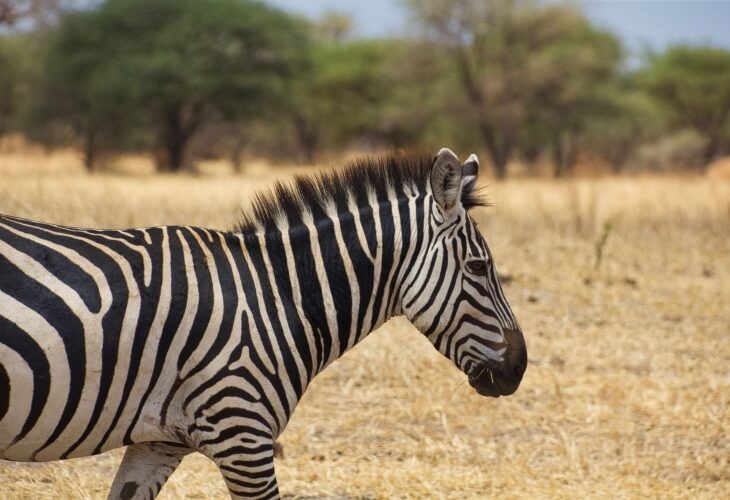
{"points": [[575, 78], [531, 74], [343, 94], [694, 85], [65, 94], [17, 67], [8, 84], [627, 119], [523, 78], [170, 65]]}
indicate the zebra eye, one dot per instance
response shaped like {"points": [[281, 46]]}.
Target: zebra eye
{"points": [[477, 267]]}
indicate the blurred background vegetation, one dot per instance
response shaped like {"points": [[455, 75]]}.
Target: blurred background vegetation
{"points": [[534, 86]]}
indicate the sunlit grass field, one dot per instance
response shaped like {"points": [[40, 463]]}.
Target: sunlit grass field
{"points": [[621, 285]]}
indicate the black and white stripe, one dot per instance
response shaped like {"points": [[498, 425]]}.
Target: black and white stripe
{"points": [[175, 339]]}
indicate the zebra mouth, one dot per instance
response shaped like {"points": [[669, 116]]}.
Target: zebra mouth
{"points": [[501, 378], [482, 378], [495, 381]]}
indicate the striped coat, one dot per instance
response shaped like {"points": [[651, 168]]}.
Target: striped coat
{"points": [[171, 340]]}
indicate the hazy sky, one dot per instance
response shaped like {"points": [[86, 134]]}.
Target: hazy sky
{"points": [[639, 22]]}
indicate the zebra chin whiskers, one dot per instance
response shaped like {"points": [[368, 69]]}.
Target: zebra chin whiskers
{"points": [[476, 368]]}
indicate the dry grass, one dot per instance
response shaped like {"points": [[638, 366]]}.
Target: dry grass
{"points": [[628, 390]]}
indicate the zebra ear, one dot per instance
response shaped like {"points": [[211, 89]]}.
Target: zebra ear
{"points": [[470, 169], [446, 176], [469, 172]]}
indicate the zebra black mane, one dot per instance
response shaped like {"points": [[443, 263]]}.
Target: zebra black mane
{"points": [[289, 199]]}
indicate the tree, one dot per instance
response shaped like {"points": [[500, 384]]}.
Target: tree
{"points": [[66, 93], [694, 84], [474, 34], [575, 82], [18, 66], [8, 83], [167, 67], [511, 55], [342, 95], [628, 119]]}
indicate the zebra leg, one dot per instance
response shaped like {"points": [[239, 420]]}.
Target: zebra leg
{"points": [[145, 468], [248, 470]]}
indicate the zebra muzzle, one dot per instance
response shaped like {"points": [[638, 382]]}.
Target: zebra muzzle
{"points": [[495, 379]]}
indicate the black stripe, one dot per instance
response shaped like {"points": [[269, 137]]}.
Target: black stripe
{"points": [[4, 390], [283, 282], [337, 281]]}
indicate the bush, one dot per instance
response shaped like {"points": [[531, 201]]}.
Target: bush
{"points": [[680, 150]]}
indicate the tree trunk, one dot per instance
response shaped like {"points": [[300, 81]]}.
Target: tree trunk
{"points": [[89, 149], [558, 157], [499, 150], [564, 154], [499, 161], [176, 132], [173, 143], [308, 138], [239, 146], [711, 150], [617, 166], [175, 151], [618, 157]]}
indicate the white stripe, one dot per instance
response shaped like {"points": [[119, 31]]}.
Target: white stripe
{"points": [[50, 342], [20, 397]]}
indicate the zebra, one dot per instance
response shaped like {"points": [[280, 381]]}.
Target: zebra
{"points": [[174, 339]]}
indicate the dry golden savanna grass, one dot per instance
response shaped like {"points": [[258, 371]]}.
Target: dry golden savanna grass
{"points": [[626, 395]]}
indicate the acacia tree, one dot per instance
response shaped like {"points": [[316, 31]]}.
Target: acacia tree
{"points": [[9, 83], [574, 79], [65, 101], [475, 37], [342, 95], [694, 84], [167, 67], [512, 55]]}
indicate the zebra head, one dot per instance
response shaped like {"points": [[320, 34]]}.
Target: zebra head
{"points": [[454, 296]]}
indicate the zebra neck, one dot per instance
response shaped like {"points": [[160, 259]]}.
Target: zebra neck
{"points": [[336, 278]]}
